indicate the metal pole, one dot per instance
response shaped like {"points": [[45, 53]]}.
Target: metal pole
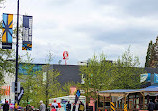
{"points": [[17, 45]]}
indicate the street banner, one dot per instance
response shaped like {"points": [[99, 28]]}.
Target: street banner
{"points": [[20, 94], [155, 78], [145, 77], [27, 33], [7, 31], [77, 96]]}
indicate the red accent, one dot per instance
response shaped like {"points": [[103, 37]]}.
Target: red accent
{"points": [[59, 106], [65, 55]]}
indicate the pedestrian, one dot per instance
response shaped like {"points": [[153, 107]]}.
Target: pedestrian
{"points": [[74, 107], [53, 108], [81, 106], [42, 106], [28, 107], [68, 106], [156, 105], [55, 105], [151, 106], [6, 106]]}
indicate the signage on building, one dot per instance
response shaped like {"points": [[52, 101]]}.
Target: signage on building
{"points": [[145, 77], [20, 94], [155, 78]]}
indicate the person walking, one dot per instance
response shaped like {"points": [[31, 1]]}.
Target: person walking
{"points": [[156, 105], [151, 106], [28, 107], [6, 106], [74, 107], [68, 106], [81, 106], [42, 106]]}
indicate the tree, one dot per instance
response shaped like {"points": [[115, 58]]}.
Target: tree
{"points": [[98, 75], [47, 85], [28, 79], [149, 55], [101, 74], [128, 70]]}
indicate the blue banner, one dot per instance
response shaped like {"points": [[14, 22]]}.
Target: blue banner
{"points": [[155, 78], [27, 33], [145, 77], [7, 31]]}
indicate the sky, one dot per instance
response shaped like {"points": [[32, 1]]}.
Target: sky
{"points": [[88, 27]]}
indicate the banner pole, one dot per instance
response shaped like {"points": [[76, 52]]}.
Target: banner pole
{"points": [[17, 45]]}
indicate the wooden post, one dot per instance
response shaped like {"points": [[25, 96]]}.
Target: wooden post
{"points": [[125, 99], [118, 104], [142, 93], [128, 101]]}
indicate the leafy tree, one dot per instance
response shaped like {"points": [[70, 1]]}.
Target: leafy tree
{"points": [[149, 55], [27, 80], [101, 74], [6, 63], [128, 70], [98, 75], [47, 85]]}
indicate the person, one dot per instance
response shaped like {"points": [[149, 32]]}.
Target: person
{"points": [[68, 106], [74, 107], [28, 107], [156, 105], [6, 106], [81, 106], [55, 105], [53, 108], [151, 106], [42, 106]]}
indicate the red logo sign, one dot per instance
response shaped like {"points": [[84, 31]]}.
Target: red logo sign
{"points": [[65, 55]]}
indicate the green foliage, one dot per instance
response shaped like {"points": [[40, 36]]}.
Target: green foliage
{"points": [[39, 85], [128, 70], [6, 64], [47, 85], [101, 74], [27, 81], [98, 75], [66, 88], [149, 55]]}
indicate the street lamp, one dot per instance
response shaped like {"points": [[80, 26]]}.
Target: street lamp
{"points": [[17, 45]]}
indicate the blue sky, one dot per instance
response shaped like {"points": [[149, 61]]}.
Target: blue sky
{"points": [[85, 27]]}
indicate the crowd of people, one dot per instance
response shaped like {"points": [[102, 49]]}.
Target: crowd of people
{"points": [[54, 106]]}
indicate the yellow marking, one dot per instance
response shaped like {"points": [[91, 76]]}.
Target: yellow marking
{"points": [[10, 18], [4, 36]]}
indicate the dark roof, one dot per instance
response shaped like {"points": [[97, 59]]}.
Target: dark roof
{"points": [[72, 72], [151, 70]]}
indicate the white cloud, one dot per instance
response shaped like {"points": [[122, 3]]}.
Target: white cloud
{"points": [[85, 27]]}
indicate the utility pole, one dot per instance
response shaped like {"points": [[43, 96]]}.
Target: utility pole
{"points": [[17, 45]]}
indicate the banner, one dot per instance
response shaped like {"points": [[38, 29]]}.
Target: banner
{"points": [[145, 77], [7, 31], [27, 33], [155, 78]]}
